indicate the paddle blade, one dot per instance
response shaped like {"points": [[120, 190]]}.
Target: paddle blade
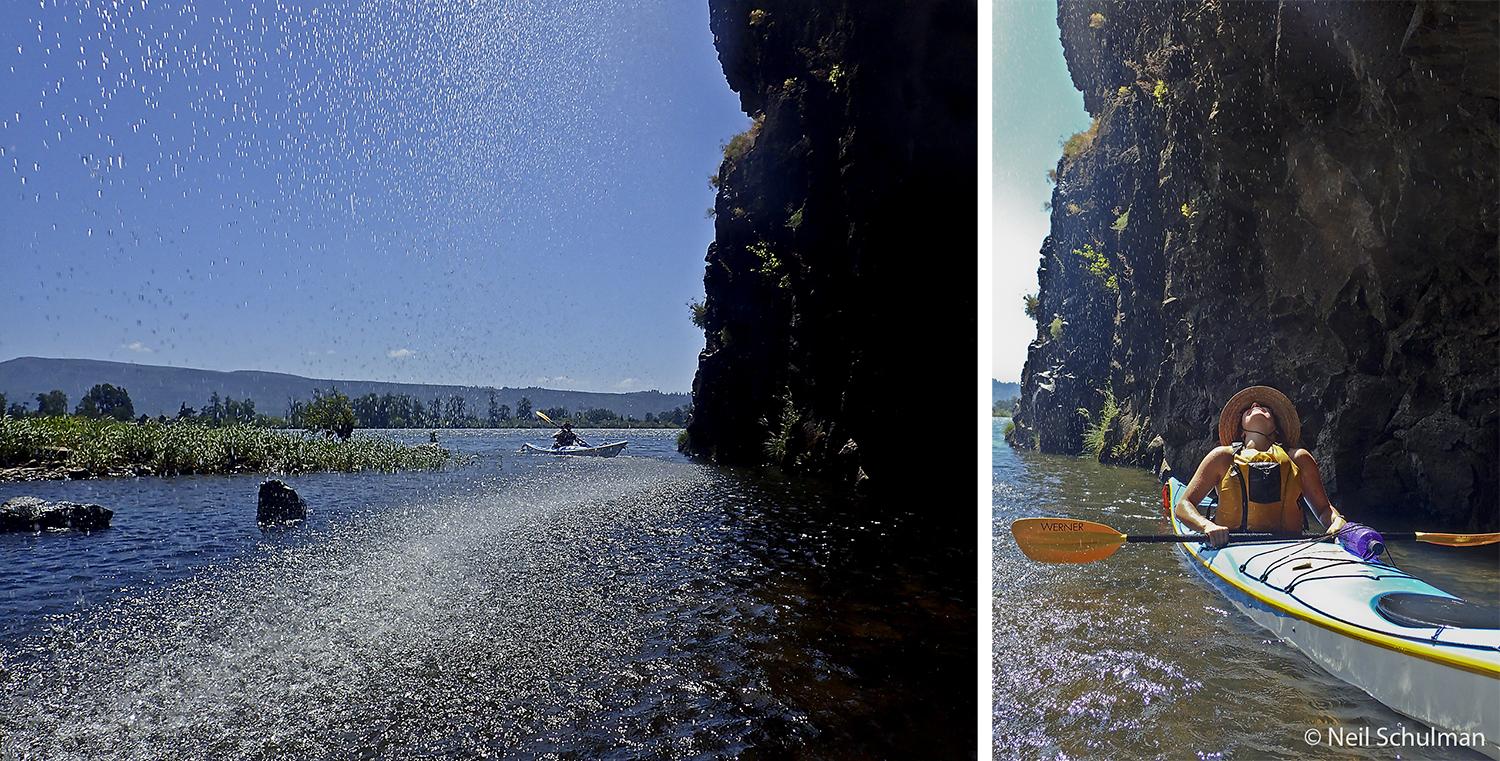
{"points": [[1064, 540], [1457, 540], [544, 417]]}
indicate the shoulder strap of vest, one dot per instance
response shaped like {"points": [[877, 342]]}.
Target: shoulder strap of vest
{"points": [[1244, 487]]}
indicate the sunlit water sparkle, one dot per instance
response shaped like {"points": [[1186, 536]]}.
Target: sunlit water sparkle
{"points": [[535, 606]]}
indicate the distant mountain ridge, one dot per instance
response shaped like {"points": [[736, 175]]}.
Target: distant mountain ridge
{"points": [[158, 390]]}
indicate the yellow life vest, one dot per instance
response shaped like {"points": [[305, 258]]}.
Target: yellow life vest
{"points": [[1268, 482]]}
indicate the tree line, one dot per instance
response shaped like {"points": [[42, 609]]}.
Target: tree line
{"points": [[335, 413]]}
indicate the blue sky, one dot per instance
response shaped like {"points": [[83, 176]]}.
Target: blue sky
{"points": [[1035, 109], [488, 193]]}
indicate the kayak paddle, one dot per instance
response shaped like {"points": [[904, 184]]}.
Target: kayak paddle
{"points": [[1067, 540]]}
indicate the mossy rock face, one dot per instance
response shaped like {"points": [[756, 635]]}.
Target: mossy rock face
{"points": [[1306, 201]]}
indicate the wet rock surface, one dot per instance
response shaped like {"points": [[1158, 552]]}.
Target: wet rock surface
{"points": [[1302, 195], [33, 514]]}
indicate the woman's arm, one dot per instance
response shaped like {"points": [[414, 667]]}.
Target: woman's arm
{"points": [[1209, 472], [1312, 488]]}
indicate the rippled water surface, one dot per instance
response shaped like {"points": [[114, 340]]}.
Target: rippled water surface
{"points": [[1133, 657], [519, 606]]}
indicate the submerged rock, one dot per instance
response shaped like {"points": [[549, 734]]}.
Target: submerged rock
{"points": [[279, 504], [35, 514]]}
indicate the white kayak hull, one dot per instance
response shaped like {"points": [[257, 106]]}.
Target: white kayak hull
{"points": [[1311, 596], [603, 450]]}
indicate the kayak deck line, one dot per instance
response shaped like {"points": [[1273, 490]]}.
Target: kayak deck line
{"points": [[1412, 645], [1406, 644]]}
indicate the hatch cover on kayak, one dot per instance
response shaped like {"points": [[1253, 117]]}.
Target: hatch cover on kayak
{"points": [[1421, 611]]}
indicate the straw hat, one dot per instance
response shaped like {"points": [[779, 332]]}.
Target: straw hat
{"points": [[1287, 422]]}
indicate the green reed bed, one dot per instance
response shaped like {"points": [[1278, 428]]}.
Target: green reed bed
{"points": [[104, 447]]}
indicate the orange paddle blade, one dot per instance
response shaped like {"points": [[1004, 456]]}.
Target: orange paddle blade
{"points": [[1065, 540], [544, 417], [1457, 540]]}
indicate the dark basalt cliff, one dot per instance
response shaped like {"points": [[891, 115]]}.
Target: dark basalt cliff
{"points": [[1295, 194], [840, 284]]}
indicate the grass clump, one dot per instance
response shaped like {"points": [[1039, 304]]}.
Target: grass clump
{"points": [[1160, 91], [740, 144], [1093, 434], [778, 443], [108, 447], [1121, 222], [1033, 305], [1056, 328], [1081, 142]]}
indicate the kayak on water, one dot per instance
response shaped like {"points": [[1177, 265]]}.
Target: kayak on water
{"points": [[1410, 645], [603, 450]]}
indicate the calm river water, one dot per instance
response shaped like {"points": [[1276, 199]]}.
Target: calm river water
{"points": [[518, 606], [1132, 657]]}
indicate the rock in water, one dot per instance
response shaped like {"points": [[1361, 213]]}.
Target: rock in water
{"points": [[34, 514], [279, 504]]}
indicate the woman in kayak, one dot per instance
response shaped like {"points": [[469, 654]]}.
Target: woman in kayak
{"points": [[564, 437], [1259, 481]]}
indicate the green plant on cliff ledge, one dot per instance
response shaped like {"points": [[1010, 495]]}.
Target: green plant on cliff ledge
{"points": [[1121, 222], [1187, 212], [1098, 266], [836, 76], [1123, 91], [1096, 21], [1056, 328], [1160, 91], [1082, 141], [781, 434], [1033, 306], [1093, 434], [740, 144], [771, 265], [758, 17], [795, 220], [697, 313]]}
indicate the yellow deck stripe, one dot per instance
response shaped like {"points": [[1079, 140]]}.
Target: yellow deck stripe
{"points": [[1456, 660]]}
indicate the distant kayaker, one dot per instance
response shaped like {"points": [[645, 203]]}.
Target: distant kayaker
{"points": [[1259, 471], [564, 437]]}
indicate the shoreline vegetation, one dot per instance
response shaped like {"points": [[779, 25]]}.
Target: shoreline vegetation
{"points": [[71, 446], [336, 412]]}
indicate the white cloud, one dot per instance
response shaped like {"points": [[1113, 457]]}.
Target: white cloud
{"points": [[400, 353], [628, 383], [554, 379], [137, 347]]}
